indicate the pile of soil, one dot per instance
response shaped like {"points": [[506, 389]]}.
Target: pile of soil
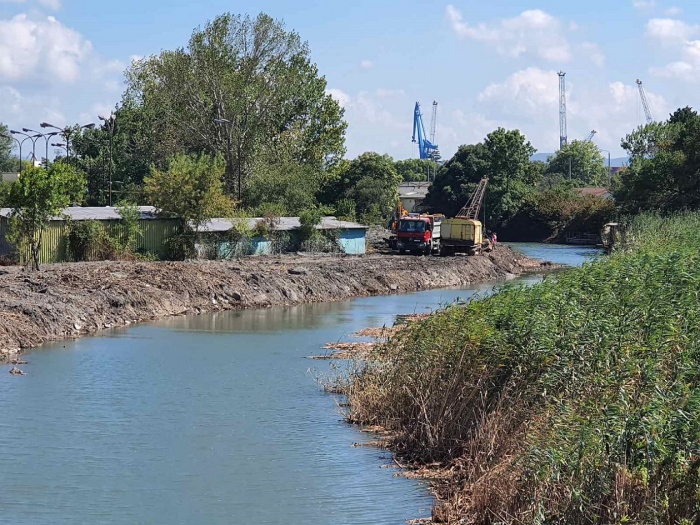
{"points": [[64, 301]]}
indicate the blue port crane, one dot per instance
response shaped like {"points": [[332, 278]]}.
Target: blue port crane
{"points": [[426, 148]]}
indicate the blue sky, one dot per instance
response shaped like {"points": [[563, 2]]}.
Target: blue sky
{"points": [[488, 64]]}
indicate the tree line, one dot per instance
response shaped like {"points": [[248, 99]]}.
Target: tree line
{"points": [[239, 121]]}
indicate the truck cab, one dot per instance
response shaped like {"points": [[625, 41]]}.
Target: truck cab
{"points": [[419, 234]]}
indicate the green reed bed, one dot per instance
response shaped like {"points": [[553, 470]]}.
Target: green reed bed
{"points": [[576, 400]]}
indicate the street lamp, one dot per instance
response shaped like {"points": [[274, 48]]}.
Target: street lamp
{"points": [[46, 137], [227, 123], [19, 144], [609, 168], [109, 122], [33, 138], [60, 145], [67, 132]]}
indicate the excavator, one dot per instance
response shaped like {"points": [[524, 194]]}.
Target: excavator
{"points": [[465, 233], [399, 213]]}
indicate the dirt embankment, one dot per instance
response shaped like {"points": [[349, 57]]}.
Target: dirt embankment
{"points": [[65, 301]]}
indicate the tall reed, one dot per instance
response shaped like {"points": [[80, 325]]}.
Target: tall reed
{"points": [[576, 400]]}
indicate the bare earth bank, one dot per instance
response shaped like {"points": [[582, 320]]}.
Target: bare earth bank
{"points": [[65, 301]]}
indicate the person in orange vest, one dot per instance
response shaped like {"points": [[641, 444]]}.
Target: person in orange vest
{"points": [[494, 238]]}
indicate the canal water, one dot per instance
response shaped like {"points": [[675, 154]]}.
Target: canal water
{"points": [[215, 419]]}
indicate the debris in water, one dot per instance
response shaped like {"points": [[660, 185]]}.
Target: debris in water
{"points": [[17, 372]]}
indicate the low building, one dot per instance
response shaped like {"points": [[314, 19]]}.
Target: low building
{"points": [[214, 239], [412, 195], [155, 230]]}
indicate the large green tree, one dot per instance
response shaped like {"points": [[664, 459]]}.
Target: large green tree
{"points": [[503, 157], [416, 170], [370, 182], [36, 197], [581, 160], [243, 87], [664, 170]]}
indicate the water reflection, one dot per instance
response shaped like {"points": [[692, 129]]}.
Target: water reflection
{"points": [[307, 316]]}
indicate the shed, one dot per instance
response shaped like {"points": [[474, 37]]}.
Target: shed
{"points": [[412, 195], [155, 230], [351, 236]]}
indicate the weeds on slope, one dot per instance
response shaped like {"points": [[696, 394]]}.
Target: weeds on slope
{"points": [[576, 400]]}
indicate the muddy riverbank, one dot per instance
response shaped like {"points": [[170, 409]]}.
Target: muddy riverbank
{"points": [[66, 301]]}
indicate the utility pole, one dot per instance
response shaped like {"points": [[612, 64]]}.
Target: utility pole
{"points": [[562, 110], [109, 122]]}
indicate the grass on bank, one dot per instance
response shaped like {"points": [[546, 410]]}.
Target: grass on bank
{"points": [[576, 400]]}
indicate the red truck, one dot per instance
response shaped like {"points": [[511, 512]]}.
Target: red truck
{"points": [[419, 234]]}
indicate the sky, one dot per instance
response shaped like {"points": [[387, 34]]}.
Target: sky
{"points": [[487, 64]]}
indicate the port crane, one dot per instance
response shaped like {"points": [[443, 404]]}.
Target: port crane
{"points": [[645, 102], [590, 136], [563, 139], [427, 148]]}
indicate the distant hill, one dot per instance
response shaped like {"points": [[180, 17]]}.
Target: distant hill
{"points": [[618, 162]]}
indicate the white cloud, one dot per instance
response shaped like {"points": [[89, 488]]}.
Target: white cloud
{"points": [[670, 31], [40, 48], [594, 53], [529, 100], [533, 32], [530, 91], [644, 4], [673, 11], [366, 64], [340, 96], [682, 38]]}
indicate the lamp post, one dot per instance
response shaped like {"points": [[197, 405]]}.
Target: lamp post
{"points": [[67, 132], [19, 144], [33, 138], [109, 123], [227, 124], [60, 145], [46, 137], [609, 168]]}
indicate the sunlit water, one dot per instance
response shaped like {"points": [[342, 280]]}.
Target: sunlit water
{"points": [[215, 419]]}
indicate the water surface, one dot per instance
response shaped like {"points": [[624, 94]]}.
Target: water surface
{"points": [[214, 419]]}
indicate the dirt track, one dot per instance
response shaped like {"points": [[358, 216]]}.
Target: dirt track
{"points": [[72, 300]]}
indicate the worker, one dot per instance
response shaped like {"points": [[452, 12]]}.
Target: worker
{"points": [[494, 238]]}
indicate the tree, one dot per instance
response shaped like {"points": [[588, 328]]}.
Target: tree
{"points": [[503, 157], [586, 162], [664, 170], [8, 162], [370, 181], [38, 196], [415, 170], [190, 189], [243, 87]]}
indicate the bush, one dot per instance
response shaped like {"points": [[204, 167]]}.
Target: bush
{"points": [[180, 246], [308, 220]]}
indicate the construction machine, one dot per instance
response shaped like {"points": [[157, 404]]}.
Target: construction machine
{"points": [[399, 212], [465, 233], [419, 233]]}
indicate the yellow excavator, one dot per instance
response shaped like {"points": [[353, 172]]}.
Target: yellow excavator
{"points": [[465, 233]]}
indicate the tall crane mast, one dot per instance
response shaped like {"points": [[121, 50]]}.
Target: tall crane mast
{"points": [[645, 102], [473, 207], [433, 122], [426, 148], [562, 110]]}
